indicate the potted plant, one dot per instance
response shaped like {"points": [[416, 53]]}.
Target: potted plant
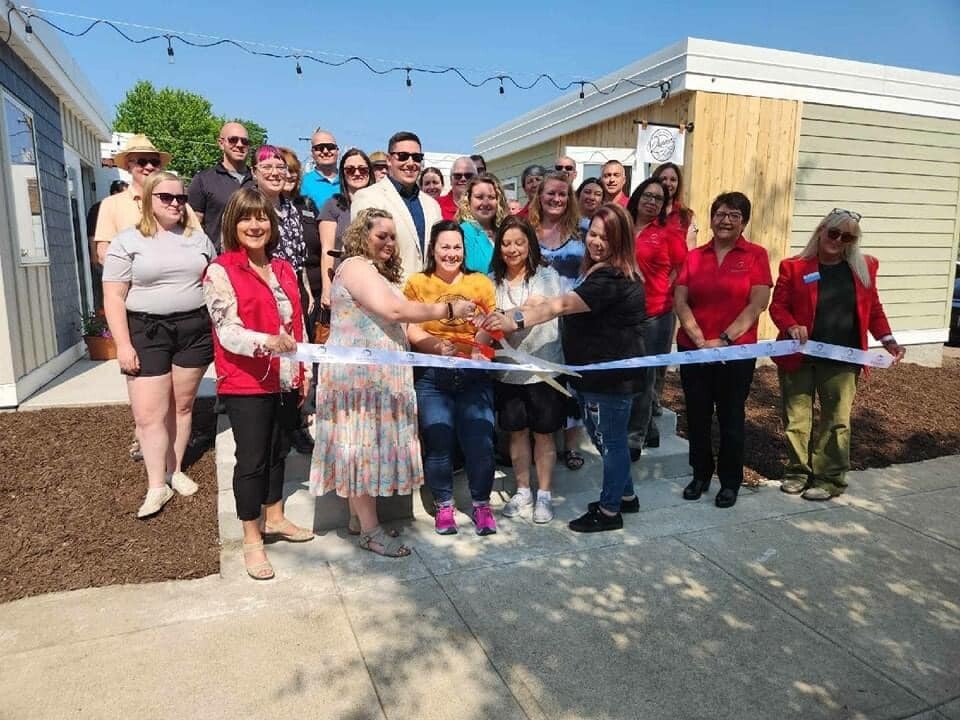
{"points": [[96, 335]]}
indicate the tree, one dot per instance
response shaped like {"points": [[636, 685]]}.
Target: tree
{"points": [[179, 122]]}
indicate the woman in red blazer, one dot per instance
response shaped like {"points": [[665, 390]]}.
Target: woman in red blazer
{"points": [[827, 293], [254, 303]]}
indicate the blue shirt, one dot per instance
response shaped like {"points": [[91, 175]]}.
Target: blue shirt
{"points": [[477, 248], [316, 187], [411, 198]]}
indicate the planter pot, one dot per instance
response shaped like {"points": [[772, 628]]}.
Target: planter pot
{"points": [[101, 348]]}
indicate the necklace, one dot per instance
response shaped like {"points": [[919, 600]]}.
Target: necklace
{"points": [[524, 292]]}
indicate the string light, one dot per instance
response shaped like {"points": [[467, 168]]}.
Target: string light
{"points": [[368, 64], [299, 69], [28, 28]]}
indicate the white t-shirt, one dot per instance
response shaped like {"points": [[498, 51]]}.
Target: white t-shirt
{"points": [[164, 271]]}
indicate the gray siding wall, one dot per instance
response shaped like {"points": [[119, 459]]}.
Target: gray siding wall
{"points": [[902, 173], [43, 334]]}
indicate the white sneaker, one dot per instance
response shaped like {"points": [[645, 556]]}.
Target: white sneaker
{"points": [[183, 483], [517, 504], [156, 498], [543, 512]]}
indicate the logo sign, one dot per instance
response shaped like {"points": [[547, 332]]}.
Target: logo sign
{"points": [[657, 145]]}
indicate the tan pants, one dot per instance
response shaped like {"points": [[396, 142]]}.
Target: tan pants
{"points": [[825, 460]]}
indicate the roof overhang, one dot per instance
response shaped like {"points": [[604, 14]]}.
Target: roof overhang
{"points": [[47, 57], [711, 66]]}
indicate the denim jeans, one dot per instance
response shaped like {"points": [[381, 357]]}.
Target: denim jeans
{"points": [[456, 405], [606, 417], [657, 339]]}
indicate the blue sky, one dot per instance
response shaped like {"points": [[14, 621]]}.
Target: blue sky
{"points": [[567, 39]]}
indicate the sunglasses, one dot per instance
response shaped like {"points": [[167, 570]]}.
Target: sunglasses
{"points": [[144, 161], [404, 156], [237, 140], [651, 197], [168, 198], [379, 166], [360, 170], [564, 168], [326, 147], [462, 176], [846, 237]]}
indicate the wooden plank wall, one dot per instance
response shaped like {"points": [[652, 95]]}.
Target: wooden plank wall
{"points": [[745, 144], [620, 131], [902, 173]]}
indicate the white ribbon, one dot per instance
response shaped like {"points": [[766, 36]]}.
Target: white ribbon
{"points": [[330, 354]]}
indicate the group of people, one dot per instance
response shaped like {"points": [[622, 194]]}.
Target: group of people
{"points": [[248, 262]]}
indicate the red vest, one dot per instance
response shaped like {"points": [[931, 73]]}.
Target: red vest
{"points": [[257, 308]]}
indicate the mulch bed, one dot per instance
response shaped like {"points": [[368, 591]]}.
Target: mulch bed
{"points": [[903, 414], [69, 494]]}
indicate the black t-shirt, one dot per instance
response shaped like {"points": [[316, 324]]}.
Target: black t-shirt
{"points": [[835, 321], [612, 330], [311, 238]]}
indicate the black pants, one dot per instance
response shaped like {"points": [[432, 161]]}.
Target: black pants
{"points": [[724, 387], [261, 424]]}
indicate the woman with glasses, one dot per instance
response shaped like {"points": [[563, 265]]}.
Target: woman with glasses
{"points": [[589, 198], [827, 293], [431, 182], [660, 251], [556, 220], [678, 216], [722, 288], [356, 173], [154, 306], [530, 180], [482, 208]]}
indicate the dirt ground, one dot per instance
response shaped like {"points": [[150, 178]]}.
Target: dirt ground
{"points": [[902, 414], [69, 492]]}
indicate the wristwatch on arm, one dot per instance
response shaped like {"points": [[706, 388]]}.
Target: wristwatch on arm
{"points": [[725, 339], [518, 319]]}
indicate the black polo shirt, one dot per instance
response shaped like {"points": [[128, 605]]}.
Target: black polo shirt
{"points": [[209, 192]]}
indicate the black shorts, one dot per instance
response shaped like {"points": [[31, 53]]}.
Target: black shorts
{"points": [[537, 407], [183, 339]]}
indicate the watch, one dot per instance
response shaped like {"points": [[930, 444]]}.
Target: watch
{"points": [[518, 319], [726, 339]]}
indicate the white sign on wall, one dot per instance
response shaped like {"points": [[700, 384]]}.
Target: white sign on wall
{"points": [[656, 145]]}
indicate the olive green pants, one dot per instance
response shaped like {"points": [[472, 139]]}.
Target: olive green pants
{"points": [[825, 460]]}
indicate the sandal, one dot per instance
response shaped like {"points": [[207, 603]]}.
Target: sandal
{"points": [[353, 528], [572, 459], [258, 571], [388, 546], [135, 454], [288, 531]]}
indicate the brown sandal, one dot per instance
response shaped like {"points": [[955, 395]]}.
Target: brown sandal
{"points": [[258, 571], [389, 546]]}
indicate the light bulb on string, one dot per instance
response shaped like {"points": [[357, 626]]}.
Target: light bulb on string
{"points": [[170, 57], [299, 69], [409, 81], [500, 78], [581, 90], [28, 29]]}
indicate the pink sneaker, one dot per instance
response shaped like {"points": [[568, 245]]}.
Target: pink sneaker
{"points": [[446, 520], [484, 520]]}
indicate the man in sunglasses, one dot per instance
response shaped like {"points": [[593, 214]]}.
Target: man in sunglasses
{"points": [[414, 212], [323, 182], [118, 212], [211, 189], [462, 171], [567, 166]]}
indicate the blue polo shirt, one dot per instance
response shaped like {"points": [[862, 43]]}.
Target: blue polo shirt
{"points": [[316, 187], [411, 198]]}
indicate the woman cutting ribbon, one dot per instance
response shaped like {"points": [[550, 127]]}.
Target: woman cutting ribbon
{"points": [[453, 404]]}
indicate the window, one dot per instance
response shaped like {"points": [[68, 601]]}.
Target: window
{"points": [[21, 155], [590, 162], [510, 186]]}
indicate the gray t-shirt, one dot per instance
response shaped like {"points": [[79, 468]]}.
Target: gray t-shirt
{"points": [[542, 341], [164, 271]]}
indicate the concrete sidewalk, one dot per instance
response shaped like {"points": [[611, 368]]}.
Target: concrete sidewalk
{"points": [[776, 608]]}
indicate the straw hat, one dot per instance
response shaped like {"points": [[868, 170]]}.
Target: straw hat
{"points": [[139, 144], [378, 157]]}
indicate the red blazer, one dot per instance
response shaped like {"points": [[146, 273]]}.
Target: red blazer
{"points": [[257, 308], [795, 303]]}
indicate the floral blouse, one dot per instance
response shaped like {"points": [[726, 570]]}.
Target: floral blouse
{"points": [[292, 246], [234, 337]]}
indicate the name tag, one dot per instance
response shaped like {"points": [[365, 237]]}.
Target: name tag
{"points": [[811, 277]]}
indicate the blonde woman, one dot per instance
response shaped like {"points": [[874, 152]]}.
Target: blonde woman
{"points": [[827, 293], [154, 304], [482, 208]]}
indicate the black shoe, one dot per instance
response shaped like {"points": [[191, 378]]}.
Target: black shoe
{"points": [[652, 442], [657, 410], [727, 497], [635, 454], [301, 441], [695, 488], [626, 506], [596, 521]]}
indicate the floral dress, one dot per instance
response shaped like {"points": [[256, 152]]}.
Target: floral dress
{"points": [[367, 442]]}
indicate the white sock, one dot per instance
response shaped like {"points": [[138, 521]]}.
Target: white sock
{"points": [[523, 492], [544, 494]]}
